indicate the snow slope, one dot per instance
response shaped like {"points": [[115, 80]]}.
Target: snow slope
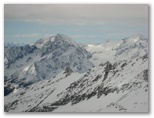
{"points": [[107, 88]]}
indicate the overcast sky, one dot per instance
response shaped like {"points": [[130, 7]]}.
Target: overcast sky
{"points": [[85, 23]]}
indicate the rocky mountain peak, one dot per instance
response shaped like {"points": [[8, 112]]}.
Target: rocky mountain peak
{"points": [[64, 38], [135, 38], [45, 59], [68, 70]]}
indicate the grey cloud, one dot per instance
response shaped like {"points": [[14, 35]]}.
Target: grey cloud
{"points": [[83, 36], [77, 13], [23, 36]]}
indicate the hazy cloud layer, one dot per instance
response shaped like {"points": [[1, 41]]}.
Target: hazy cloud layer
{"points": [[77, 14], [23, 36], [85, 23]]}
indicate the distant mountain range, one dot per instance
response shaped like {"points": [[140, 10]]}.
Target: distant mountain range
{"points": [[12, 44]]}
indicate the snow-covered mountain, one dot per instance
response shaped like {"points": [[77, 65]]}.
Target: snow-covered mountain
{"points": [[118, 81], [25, 65], [127, 48]]}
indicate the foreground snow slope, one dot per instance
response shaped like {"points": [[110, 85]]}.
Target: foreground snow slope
{"points": [[120, 87], [113, 85]]}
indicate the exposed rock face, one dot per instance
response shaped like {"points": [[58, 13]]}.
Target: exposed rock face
{"points": [[12, 54], [68, 71]]}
